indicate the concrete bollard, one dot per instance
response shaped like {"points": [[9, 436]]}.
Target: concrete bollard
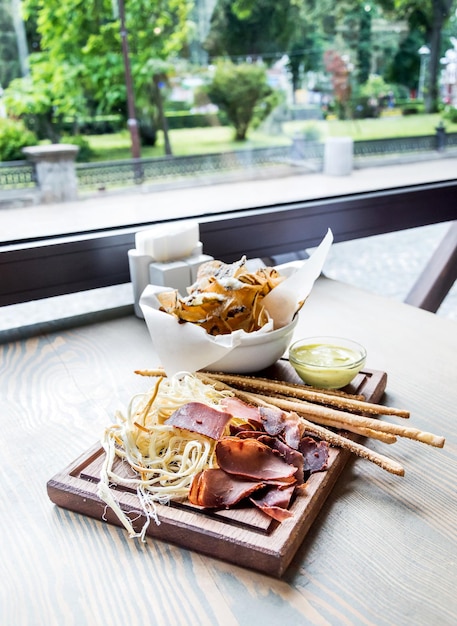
{"points": [[440, 137], [55, 171], [338, 156]]}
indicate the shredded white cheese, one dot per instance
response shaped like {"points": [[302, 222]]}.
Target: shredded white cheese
{"points": [[162, 460]]}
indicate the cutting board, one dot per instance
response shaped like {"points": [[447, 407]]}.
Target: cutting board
{"points": [[243, 536]]}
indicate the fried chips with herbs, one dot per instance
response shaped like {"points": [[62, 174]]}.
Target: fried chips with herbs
{"points": [[224, 298]]}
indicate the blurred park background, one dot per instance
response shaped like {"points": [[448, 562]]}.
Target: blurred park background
{"points": [[146, 78]]}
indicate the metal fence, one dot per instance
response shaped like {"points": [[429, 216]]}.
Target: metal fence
{"points": [[162, 169], [451, 140], [117, 174], [130, 172], [17, 175], [399, 145]]}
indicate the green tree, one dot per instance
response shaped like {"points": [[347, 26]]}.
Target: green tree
{"points": [[252, 28], [305, 51], [365, 45], [48, 94], [266, 29], [13, 137], [354, 19], [242, 92], [9, 65], [430, 17], [85, 38], [405, 65]]}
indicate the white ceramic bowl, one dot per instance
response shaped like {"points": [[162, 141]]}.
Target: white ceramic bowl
{"points": [[256, 352]]}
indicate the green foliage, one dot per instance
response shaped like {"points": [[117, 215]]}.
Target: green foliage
{"points": [[82, 49], [267, 105], [178, 106], [374, 96], [429, 17], [364, 49], [250, 28], [77, 65], [46, 96], [13, 137], [355, 24], [311, 132], [375, 87], [269, 30], [413, 108], [184, 119], [242, 92], [85, 153], [450, 113], [96, 125], [364, 107], [9, 66], [405, 66]]}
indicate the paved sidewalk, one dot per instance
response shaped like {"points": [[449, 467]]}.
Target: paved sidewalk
{"points": [[132, 207]]}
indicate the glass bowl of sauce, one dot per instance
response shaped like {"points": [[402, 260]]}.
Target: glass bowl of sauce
{"points": [[327, 362]]}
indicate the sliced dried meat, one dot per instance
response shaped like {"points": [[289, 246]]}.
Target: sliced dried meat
{"points": [[276, 422], [250, 458], [315, 454], [200, 418], [273, 420], [240, 409], [275, 502], [291, 456], [214, 488], [244, 433], [293, 431]]}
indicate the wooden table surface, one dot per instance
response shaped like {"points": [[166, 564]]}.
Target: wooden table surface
{"points": [[382, 551]]}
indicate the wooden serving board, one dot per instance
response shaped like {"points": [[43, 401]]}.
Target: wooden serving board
{"points": [[243, 536]]}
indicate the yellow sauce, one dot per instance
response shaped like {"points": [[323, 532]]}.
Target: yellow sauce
{"points": [[325, 365]]}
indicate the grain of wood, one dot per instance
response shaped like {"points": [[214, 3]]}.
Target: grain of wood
{"points": [[60, 389]]}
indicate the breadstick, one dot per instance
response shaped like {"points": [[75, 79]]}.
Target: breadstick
{"points": [[366, 432], [345, 420], [324, 415], [338, 393], [292, 390], [266, 386], [343, 442], [327, 435], [153, 373], [258, 383]]}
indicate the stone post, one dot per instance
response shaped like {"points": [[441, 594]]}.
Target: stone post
{"points": [[55, 171], [338, 156]]}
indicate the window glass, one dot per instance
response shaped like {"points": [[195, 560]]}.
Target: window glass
{"points": [[205, 91], [177, 108]]}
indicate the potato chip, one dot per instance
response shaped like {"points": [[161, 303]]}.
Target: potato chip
{"points": [[224, 298], [168, 299]]}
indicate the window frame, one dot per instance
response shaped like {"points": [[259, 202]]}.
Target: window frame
{"points": [[38, 268]]}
